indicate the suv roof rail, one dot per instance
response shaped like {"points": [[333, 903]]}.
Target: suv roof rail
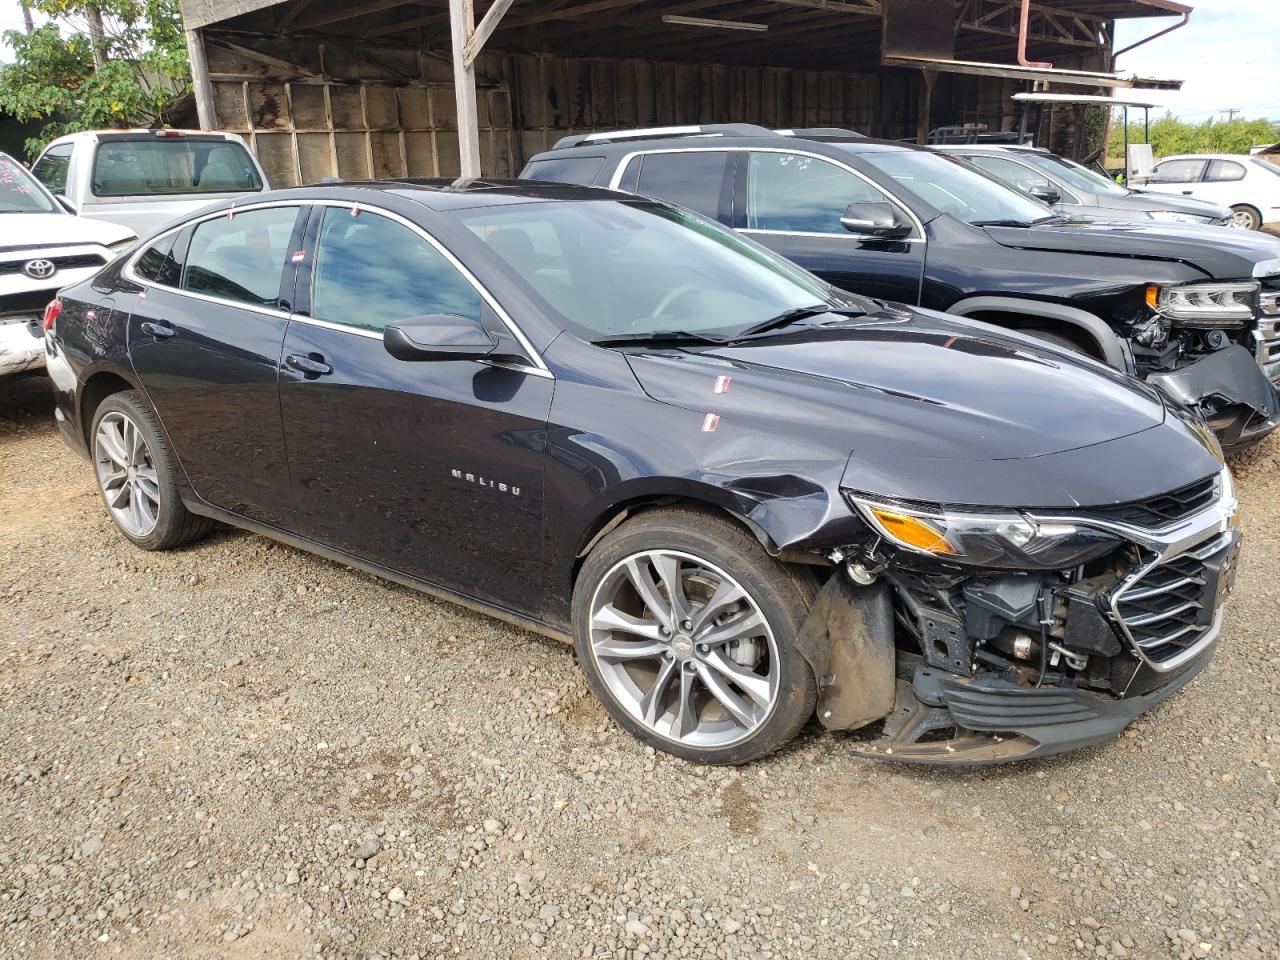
{"points": [[653, 133], [821, 132]]}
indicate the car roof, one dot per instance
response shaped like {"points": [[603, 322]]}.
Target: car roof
{"points": [[840, 144], [1206, 156], [441, 193], [991, 148]]}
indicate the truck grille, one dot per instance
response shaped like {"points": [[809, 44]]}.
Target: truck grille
{"points": [[62, 263], [1268, 329], [1171, 606], [1165, 509]]}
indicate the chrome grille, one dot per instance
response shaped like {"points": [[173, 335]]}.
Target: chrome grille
{"points": [[1268, 329], [1167, 508], [1170, 607]]}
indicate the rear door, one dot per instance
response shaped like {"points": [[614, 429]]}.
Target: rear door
{"points": [[206, 327], [1222, 183], [431, 468], [697, 178], [793, 203]]}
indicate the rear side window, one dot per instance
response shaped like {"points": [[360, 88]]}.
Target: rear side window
{"points": [[371, 271], [581, 170], [693, 180], [162, 261], [166, 166], [51, 169], [1223, 170], [801, 194], [241, 258], [1177, 171]]}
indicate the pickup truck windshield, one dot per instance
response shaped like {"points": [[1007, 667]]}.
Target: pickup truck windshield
{"points": [[614, 268], [1079, 176], [957, 188], [168, 166], [19, 192]]}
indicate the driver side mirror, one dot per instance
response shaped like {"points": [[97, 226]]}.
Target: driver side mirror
{"points": [[1045, 194], [66, 204], [874, 219], [438, 336]]}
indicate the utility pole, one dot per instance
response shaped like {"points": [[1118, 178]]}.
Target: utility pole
{"points": [[1231, 113], [96, 33], [27, 19]]}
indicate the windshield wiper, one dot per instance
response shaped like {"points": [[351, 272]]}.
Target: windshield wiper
{"points": [[655, 338], [1002, 223], [788, 317]]}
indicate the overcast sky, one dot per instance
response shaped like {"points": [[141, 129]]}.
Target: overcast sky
{"points": [[1229, 56]]}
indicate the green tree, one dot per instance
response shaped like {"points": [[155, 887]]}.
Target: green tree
{"points": [[1170, 135], [96, 64]]}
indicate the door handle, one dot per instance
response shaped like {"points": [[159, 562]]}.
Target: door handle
{"points": [[313, 364], [1186, 193], [161, 331]]}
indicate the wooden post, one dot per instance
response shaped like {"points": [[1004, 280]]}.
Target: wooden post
{"points": [[926, 105], [200, 84], [462, 21]]}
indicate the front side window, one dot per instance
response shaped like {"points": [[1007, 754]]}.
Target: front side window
{"points": [[694, 180], [371, 271], [1225, 170], [172, 165], [1177, 171], [1015, 174], [19, 193], [956, 188], [1087, 180], [241, 257], [51, 169], [610, 268], [801, 194]]}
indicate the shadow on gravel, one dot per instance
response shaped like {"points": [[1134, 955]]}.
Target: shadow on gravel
{"points": [[26, 401]]}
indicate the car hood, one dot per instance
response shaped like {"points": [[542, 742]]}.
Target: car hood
{"points": [[1149, 200], [1220, 253], [26, 230], [935, 408]]}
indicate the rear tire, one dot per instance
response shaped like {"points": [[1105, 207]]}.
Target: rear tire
{"points": [[714, 677], [1247, 217], [136, 473]]}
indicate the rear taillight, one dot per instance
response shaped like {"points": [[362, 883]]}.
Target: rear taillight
{"points": [[51, 313]]}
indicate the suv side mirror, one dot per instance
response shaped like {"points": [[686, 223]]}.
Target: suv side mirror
{"points": [[1045, 194], [438, 336], [874, 219]]}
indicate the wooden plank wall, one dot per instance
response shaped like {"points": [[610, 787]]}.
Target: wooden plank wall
{"points": [[315, 110]]}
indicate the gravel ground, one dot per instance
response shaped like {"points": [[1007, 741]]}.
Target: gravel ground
{"points": [[239, 750]]}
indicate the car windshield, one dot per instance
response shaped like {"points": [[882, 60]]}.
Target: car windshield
{"points": [[957, 188], [635, 268], [171, 165], [19, 191], [1078, 176]]}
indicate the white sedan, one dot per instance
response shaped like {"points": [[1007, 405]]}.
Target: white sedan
{"points": [[1250, 186], [42, 248]]}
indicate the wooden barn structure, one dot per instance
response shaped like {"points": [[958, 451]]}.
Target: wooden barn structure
{"points": [[411, 88]]}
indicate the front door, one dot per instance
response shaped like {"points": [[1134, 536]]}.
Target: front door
{"points": [[205, 331], [430, 468], [793, 203]]}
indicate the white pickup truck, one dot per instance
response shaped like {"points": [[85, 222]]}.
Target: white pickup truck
{"points": [[42, 248], [142, 179]]}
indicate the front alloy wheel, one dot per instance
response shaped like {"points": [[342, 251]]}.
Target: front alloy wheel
{"points": [[127, 474], [684, 649], [685, 628]]}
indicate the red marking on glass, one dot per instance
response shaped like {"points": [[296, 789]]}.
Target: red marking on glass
{"points": [[710, 422], [722, 384]]}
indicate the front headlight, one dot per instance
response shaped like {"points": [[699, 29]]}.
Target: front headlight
{"points": [[1205, 304], [1171, 216], [1001, 539]]}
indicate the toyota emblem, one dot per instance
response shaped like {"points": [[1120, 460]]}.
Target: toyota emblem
{"points": [[39, 269]]}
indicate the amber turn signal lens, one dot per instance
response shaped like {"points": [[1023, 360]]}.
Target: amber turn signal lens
{"points": [[1153, 296], [913, 532]]}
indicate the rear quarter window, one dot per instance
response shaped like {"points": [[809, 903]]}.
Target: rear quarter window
{"points": [[580, 170], [167, 167]]}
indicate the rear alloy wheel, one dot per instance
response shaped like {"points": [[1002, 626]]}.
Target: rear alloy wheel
{"points": [[135, 471], [1246, 217], [688, 641]]}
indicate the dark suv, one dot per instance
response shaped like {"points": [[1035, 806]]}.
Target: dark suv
{"points": [[1194, 310]]}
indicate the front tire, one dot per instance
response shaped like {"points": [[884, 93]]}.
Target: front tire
{"points": [[1246, 217], [136, 474], [685, 629]]}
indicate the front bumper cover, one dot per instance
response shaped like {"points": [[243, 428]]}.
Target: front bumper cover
{"points": [[21, 344], [1232, 380]]}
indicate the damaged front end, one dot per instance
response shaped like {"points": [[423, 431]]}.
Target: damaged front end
{"points": [[974, 638]]}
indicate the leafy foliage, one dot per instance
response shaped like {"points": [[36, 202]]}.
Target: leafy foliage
{"points": [[1170, 135], [54, 80]]}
